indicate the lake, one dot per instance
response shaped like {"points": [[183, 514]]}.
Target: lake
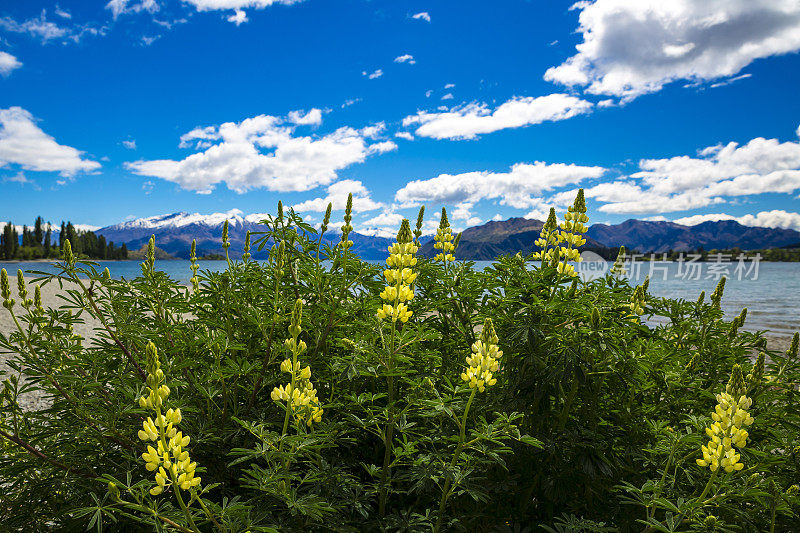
{"points": [[770, 291]]}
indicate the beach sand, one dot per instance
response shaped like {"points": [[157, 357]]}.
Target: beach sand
{"points": [[51, 299]]}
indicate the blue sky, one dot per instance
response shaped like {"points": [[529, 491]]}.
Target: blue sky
{"points": [[122, 109]]}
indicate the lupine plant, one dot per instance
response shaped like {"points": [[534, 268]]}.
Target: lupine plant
{"points": [[445, 397]]}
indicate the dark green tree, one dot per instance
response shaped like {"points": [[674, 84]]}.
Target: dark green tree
{"points": [[38, 231], [47, 237], [102, 248]]}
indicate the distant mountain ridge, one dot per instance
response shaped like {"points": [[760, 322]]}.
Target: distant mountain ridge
{"points": [[650, 236], [175, 232]]}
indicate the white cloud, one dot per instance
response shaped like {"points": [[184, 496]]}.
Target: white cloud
{"points": [[264, 151], [625, 197], [239, 17], [63, 13], [518, 188], [23, 143], [428, 93], [448, 96], [633, 47], [450, 86], [129, 144], [694, 220], [121, 7], [372, 75], [312, 118], [8, 63], [405, 58], [498, 217], [404, 135], [776, 218], [731, 80], [471, 120], [22, 179], [211, 5], [45, 31], [717, 173], [337, 195], [37, 27], [422, 16], [351, 101]]}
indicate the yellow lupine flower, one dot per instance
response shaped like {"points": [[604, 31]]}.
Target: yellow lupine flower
{"points": [[567, 233], [443, 240], [299, 393], [727, 431], [484, 359], [171, 461], [399, 278]]}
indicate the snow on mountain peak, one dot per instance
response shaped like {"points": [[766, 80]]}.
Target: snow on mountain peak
{"points": [[234, 217]]}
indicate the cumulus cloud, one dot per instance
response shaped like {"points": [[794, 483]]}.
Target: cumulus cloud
{"points": [[312, 118], [404, 135], [626, 197], [469, 121], [385, 225], [714, 175], [23, 143], [405, 58], [422, 16], [8, 63], [777, 218], [520, 187], [239, 17], [264, 151], [372, 75], [633, 47], [130, 144], [337, 195]]}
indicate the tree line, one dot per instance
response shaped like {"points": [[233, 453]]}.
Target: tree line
{"points": [[41, 241]]}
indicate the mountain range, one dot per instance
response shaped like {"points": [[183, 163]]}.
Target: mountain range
{"points": [[174, 234]]}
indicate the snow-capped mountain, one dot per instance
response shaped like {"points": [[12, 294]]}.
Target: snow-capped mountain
{"points": [[175, 232]]}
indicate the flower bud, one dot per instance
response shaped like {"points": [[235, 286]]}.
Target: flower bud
{"points": [[113, 491]]}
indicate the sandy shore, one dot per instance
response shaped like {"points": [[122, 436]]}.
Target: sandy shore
{"points": [[51, 299]]}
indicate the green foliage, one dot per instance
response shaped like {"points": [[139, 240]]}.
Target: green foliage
{"points": [[594, 423]]}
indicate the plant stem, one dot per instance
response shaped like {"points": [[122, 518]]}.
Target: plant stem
{"points": [[388, 435], [36, 453], [448, 482]]}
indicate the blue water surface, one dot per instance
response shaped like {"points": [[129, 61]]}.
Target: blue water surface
{"points": [[771, 292]]}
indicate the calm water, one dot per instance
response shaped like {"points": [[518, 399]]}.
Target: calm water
{"points": [[772, 297]]}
